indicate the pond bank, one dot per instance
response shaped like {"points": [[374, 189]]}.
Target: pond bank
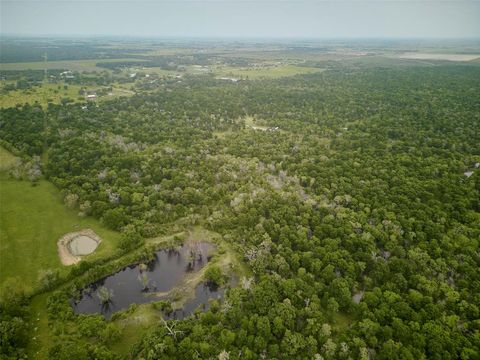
{"points": [[73, 245]]}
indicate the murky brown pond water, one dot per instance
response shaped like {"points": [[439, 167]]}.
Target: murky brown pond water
{"points": [[138, 285], [82, 245]]}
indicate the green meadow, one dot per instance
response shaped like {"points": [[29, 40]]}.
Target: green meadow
{"points": [[7, 159], [48, 92], [55, 92], [32, 219]]}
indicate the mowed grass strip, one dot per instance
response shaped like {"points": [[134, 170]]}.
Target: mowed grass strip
{"points": [[32, 219]]}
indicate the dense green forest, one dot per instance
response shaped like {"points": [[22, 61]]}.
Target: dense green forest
{"points": [[354, 199]]}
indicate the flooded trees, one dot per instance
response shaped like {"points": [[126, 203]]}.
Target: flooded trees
{"points": [[144, 280], [194, 251], [105, 295]]}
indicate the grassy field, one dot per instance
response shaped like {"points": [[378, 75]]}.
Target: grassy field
{"points": [[267, 72], [74, 65], [55, 92], [7, 159], [41, 94], [32, 219], [153, 70]]}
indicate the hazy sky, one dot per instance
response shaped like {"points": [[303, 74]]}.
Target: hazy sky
{"points": [[243, 18]]}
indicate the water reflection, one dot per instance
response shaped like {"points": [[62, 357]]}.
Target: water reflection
{"points": [[138, 284]]}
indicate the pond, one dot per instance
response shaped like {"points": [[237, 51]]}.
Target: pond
{"points": [[139, 284], [82, 245]]}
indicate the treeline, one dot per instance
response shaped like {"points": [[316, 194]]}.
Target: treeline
{"points": [[12, 50]]}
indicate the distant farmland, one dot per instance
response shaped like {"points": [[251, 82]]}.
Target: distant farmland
{"points": [[74, 65], [266, 72]]}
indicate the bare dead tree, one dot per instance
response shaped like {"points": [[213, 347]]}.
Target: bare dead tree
{"points": [[171, 329]]}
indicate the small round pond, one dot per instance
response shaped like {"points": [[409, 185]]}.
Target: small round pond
{"points": [[82, 245], [144, 283]]}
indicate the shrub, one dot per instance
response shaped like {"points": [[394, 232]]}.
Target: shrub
{"points": [[214, 275]]}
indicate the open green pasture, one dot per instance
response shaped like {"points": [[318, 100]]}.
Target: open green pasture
{"points": [[32, 219]]}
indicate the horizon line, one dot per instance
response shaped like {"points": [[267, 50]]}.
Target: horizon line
{"points": [[235, 37]]}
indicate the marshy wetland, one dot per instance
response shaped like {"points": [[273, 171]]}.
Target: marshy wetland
{"points": [[144, 283]]}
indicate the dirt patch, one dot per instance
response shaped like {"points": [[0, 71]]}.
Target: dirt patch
{"points": [[73, 245]]}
